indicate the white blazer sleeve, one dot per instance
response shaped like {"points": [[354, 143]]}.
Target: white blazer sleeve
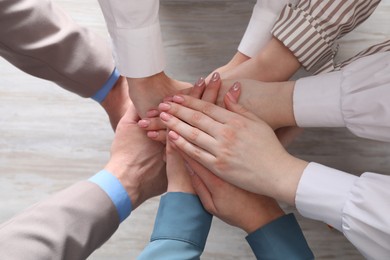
{"points": [[357, 206], [356, 97], [135, 31], [258, 32]]}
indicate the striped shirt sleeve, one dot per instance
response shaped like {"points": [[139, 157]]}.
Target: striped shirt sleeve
{"points": [[311, 27]]}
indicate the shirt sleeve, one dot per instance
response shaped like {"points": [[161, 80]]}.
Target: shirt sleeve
{"points": [[180, 230], [115, 191], [311, 27], [134, 28], [356, 206], [280, 239], [355, 97], [258, 32]]}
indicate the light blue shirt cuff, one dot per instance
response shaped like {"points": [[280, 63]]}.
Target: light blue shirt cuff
{"points": [[105, 89], [280, 239], [182, 217], [115, 190]]}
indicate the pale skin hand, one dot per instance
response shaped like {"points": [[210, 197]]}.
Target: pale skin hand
{"points": [[237, 59], [272, 102], [117, 102], [235, 206], [136, 160], [147, 93], [237, 146]]}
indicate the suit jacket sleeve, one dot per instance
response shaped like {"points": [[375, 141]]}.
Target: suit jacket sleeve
{"points": [[40, 39], [68, 225]]}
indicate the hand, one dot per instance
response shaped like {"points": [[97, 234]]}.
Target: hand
{"points": [[156, 130], [235, 206], [117, 101], [237, 59], [136, 160], [237, 146], [147, 93], [274, 63]]}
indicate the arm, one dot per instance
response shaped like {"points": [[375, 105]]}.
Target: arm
{"points": [[76, 221], [271, 233], [356, 206], [41, 39]]}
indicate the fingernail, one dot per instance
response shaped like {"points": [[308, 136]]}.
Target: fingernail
{"points": [[215, 76], [143, 123], [236, 86], [173, 135], [152, 134], [178, 99], [165, 116], [152, 113], [164, 106], [200, 82]]}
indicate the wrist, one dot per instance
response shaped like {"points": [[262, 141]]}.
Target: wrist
{"points": [[117, 101]]}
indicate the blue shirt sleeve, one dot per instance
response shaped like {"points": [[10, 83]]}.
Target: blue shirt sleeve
{"points": [[180, 230], [105, 89], [280, 239], [115, 190]]}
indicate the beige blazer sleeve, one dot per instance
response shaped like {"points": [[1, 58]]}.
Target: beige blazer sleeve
{"points": [[68, 225], [41, 39]]}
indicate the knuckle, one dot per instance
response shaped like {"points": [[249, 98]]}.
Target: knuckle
{"points": [[207, 108], [195, 117], [194, 134]]}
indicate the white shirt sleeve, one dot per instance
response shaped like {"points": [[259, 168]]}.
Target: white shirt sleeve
{"points": [[258, 32], [356, 97], [357, 206], [134, 28]]}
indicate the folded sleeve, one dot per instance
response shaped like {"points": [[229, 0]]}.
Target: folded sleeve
{"points": [[258, 32], [357, 206], [311, 27], [280, 239], [135, 31], [355, 97], [180, 230]]}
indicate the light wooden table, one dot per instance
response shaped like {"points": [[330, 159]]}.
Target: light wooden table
{"points": [[51, 138]]}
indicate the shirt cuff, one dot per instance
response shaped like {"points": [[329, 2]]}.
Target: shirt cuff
{"points": [[280, 239], [300, 32], [106, 88], [138, 53], [182, 217], [258, 32], [317, 101], [115, 191], [322, 193]]}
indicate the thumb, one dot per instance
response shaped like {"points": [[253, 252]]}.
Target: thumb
{"points": [[231, 102]]}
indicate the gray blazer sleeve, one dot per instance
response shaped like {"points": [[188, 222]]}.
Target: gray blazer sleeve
{"points": [[68, 225], [41, 39]]}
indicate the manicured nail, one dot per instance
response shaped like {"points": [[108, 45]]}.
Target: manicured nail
{"points": [[152, 134], [215, 76], [165, 116], [236, 87], [178, 99], [173, 135], [152, 113], [164, 106], [144, 123], [200, 82]]}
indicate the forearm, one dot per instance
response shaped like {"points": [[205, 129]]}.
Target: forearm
{"points": [[69, 225], [40, 39]]}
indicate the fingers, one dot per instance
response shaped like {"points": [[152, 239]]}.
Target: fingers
{"points": [[202, 156], [190, 133], [231, 102], [203, 193], [198, 88], [211, 92]]}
